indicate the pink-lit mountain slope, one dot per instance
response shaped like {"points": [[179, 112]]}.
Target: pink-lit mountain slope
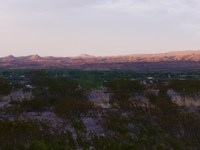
{"points": [[180, 60]]}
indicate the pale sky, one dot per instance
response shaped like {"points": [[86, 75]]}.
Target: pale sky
{"points": [[98, 27]]}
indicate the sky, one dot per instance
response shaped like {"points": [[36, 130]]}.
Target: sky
{"points": [[98, 27]]}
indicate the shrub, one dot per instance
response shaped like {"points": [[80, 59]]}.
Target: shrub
{"points": [[73, 107], [5, 87]]}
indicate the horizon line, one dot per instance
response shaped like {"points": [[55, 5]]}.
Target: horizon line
{"points": [[91, 55]]}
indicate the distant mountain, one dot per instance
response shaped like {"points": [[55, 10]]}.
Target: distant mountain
{"points": [[34, 57], [179, 60], [85, 56]]}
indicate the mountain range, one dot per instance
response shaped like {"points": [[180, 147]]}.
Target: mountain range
{"points": [[179, 60]]}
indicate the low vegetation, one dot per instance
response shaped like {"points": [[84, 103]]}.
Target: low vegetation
{"points": [[60, 114]]}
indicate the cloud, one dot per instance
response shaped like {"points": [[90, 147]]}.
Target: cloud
{"points": [[181, 14], [130, 7], [43, 5], [173, 7]]}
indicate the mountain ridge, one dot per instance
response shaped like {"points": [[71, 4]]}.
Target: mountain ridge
{"points": [[158, 61]]}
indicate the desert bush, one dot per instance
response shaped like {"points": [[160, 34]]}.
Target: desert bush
{"points": [[5, 87], [123, 91], [60, 87], [80, 129], [33, 105], [72, 107], [32, 135], [125, 88], [186, 87], [15, 133]]}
